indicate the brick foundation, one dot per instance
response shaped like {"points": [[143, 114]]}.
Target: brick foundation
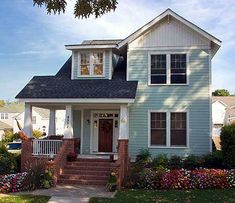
{"points": [[123, 162]]}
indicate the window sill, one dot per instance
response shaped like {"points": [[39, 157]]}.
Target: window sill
{"points": [[168, 84], [166, 147], [90, 76]]}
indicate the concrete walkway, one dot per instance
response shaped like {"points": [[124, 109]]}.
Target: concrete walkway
{"points": [[72, 193]]}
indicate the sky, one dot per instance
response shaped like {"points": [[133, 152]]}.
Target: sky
{"points": [[32, 42]]}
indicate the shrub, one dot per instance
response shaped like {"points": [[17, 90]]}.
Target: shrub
{"points": [[175, 162], [213, 160], [160, 162], [228, 145], [9, 163], [192, 162], [143, 156], [37, 134]]}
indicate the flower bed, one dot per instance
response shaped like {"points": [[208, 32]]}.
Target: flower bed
{"points": [[183, 179], [13, 182], [201, 179]]}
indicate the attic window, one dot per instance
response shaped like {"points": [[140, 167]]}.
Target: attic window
{"points": [[91, 64]]}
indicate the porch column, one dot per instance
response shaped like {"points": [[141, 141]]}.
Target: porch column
{"points": [[52, 124], [28, 128], [123, 154], [68, 127], [124, 122]]}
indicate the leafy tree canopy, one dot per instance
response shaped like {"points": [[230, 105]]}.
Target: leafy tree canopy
{"points": [[82, 8], [221, 92], [2, 103]]}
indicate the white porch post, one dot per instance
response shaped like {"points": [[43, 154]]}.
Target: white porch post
{"points": [[68, 127], [28, 128], [124, 123], [52, 124]]}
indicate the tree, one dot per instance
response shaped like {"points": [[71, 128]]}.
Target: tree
{"points": [[2, 103], [221, 92], [82, 8]]}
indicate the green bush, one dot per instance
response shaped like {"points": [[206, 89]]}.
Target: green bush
{"points": [[228, 145], [9, 136], [9, 163], [213, 160], [175, 162], [143, 156], [160, 162], [37, 134], [192, 162]]}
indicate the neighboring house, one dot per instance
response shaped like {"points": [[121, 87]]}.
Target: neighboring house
{"points": [[223, 112], [150, 90], [3, 128], [40, 120], [9, 111]]}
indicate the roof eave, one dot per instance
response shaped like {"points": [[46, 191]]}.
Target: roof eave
{"points": [[76, 47]]}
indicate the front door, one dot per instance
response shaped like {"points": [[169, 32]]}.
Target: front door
{"points": [[105, 135]]}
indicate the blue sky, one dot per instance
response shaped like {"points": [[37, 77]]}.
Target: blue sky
{"points": [[32, 42]]}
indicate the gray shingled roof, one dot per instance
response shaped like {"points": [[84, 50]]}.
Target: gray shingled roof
{"points": [[98, 42], [61, 86]]}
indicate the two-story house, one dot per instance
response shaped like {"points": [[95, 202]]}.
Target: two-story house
{"points": [[150, 90]]}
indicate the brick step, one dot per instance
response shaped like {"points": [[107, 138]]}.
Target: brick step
{"points": [[82, 182], [82, 177], [89, 168], [86, 172], [77, 163], [93, 160]]}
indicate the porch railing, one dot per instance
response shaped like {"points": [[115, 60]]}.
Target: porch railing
{"points": [[46, 147]]}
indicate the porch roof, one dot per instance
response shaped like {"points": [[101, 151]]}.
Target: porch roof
{"points": [[61, 86]]}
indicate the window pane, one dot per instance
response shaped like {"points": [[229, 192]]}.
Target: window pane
{"points": [[98, 63], [178, 69], [178, 129], [158, 69], [158, 128], [85, 64], [6, 115], [2, 115]]}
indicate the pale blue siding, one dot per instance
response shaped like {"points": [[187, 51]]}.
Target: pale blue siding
{"points": [[194, 97], [106, 66]]}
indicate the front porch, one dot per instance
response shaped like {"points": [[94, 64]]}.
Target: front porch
{"points": [[93, 131]]}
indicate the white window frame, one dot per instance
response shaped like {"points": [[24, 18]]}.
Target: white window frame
{"points": [[6, 116], [91, 64], [168, 129], [2, 116], [168, 68]]}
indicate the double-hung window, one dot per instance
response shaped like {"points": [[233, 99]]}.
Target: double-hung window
{"points": [[91, 64], [168, 129], [168, 69]]}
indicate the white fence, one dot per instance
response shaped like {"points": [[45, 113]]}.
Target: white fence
{"points": [[46, 147]]}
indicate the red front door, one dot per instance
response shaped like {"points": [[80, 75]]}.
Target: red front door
{"points": [[105, 135]]}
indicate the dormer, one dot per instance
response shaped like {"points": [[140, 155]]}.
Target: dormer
{"points": [[94, 59]]}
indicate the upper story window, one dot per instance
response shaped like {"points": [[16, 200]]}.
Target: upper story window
{"points": [[168, 69], [34, 119], [2, 115], [92, 64], [6, 116]]}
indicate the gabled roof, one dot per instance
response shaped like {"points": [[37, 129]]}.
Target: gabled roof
{"points": [[12, 108], [216, 42], [4, 126], [229, 101]]}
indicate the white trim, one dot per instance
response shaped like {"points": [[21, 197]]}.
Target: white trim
{"points": [[147, 26], [168, 129], [210, 104], [168, 48], [110, 64], [92, 129], [72, 68], [91, 64], [71, 100], [82, 127], [77, 47], [127, 64], [225, 105], [168, 67]]}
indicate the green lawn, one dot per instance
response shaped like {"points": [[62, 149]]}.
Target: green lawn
{"points": [[189, 196], [24, 199]]}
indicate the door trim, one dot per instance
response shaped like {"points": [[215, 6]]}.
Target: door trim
{"points": [[92, 128]]}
